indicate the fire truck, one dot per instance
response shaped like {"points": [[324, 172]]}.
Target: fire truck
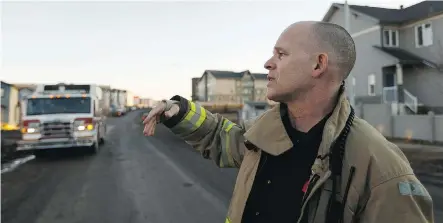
{"points": [[63, 116]]}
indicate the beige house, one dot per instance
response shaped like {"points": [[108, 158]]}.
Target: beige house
{"points": [[230, 87]]}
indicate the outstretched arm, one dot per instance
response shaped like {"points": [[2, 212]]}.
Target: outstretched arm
{"points": [[217, 138]]}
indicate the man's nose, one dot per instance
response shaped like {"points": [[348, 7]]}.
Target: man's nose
{"points": [[269, 65]]}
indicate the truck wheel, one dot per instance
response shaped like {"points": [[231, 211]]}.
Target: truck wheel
{"points": [[95, 148], [102, 137]]}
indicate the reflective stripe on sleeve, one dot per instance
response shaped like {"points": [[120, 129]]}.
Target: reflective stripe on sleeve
{"points": [[192, 121], [226, 159]]}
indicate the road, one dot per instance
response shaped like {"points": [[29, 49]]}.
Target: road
{"points": [[132, 179]]}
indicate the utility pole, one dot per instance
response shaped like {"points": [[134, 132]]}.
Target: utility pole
{"points": [[350, 77]]}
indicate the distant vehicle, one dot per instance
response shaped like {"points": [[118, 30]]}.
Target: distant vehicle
{"points": [[63, 116], [119, 112]]}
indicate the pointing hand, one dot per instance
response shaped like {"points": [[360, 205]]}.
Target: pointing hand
{"points": [[162, 110]]}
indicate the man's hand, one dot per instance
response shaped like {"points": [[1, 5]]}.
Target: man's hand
{"points": [[163, 108]]}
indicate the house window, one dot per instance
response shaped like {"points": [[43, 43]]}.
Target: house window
{"points": [[423, 35], [390, 37], [3, 92], [371, 85]]}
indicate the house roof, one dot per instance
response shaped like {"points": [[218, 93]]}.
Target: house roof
{"points": [[260, 76], [406, 57], [412, 13], [226, 74]]}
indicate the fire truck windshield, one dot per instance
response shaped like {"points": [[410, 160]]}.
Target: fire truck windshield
{"points": [[41, 106]]}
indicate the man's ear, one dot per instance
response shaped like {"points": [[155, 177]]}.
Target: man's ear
{"points": [[320, 64]]}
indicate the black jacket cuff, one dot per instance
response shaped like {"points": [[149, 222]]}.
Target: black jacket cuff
{"points": [[183, 105]]}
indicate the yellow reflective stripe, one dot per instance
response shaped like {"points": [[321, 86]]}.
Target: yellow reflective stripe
{"points": [[223, 155], [191, 112], [226, 151], [193, 119], [227, 220], [229, 127], [202, 117]]}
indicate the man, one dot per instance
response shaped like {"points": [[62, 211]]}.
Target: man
{"points": [[308, 159]]}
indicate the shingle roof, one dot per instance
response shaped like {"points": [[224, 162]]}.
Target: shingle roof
{"points": [[226, 74], [406, 57], [414, 12], [260, 76]]}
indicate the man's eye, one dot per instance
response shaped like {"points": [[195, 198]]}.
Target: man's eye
{"points": [[280, 55]]}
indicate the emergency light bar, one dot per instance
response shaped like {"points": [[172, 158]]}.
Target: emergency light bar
{"points": [[61, 88]]}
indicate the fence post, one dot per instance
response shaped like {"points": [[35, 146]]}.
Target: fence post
{"points": [[362, 112], [433, 128], [391, 121]]}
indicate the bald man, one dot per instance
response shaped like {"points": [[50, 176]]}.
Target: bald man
{"points": [[308, 159]]}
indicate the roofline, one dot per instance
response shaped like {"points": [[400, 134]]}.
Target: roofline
{"points": [[412, 23], [329, 13], [332, 10], [422, 60]]}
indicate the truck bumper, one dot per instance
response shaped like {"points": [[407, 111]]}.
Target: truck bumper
{"points": [[25, 145]]}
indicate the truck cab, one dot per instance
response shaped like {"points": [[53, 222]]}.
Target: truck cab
{"points": [[63, 116]]}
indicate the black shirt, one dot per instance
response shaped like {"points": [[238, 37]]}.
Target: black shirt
{"points": [[276, 193]]}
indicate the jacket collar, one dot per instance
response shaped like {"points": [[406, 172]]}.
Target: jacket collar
{"points": [[268, 132]]}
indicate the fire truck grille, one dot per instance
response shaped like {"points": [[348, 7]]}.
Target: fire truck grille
{"points": [[57, 130]]}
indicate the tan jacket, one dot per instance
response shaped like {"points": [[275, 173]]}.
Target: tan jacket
{"points": [[384, 188]]}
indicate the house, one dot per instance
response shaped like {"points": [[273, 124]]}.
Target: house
{"points": [[10, 105], [399, 54], [230, 87], [25, 90], [251, 110]]}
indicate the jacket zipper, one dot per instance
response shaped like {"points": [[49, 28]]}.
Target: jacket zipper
{"points": [[319, 183]]}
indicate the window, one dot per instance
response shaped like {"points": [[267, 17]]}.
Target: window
{"points": [[371, 85], [423, 35], [390, 37], [3, 92]]}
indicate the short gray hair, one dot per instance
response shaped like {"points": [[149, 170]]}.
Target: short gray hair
{"points": [[338, 43]]}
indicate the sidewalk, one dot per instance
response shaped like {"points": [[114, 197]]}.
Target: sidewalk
{"points": [[417, 146]]}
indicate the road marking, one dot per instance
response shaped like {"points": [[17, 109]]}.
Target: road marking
{"points": [[8, 167], [205, 193]]}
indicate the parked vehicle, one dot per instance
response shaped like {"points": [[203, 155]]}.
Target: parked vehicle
{"points": [[63, 116], [10, 135], [118, 111]]}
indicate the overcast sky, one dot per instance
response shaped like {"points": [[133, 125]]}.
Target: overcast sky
{"points": [[150, 48]]}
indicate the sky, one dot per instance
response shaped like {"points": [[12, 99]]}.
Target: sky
{"points": [[150, 48]]}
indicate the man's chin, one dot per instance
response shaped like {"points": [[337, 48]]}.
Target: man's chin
{"points": [[272, 97], [276, 97]]}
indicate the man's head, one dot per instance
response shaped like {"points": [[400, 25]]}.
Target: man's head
{"points": [[309, 55]]}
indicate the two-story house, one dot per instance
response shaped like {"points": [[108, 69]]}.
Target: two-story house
{"points": [[230, 87], [399, 54]]}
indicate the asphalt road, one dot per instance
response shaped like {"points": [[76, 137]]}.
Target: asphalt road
{"points": [[132, 179]]}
